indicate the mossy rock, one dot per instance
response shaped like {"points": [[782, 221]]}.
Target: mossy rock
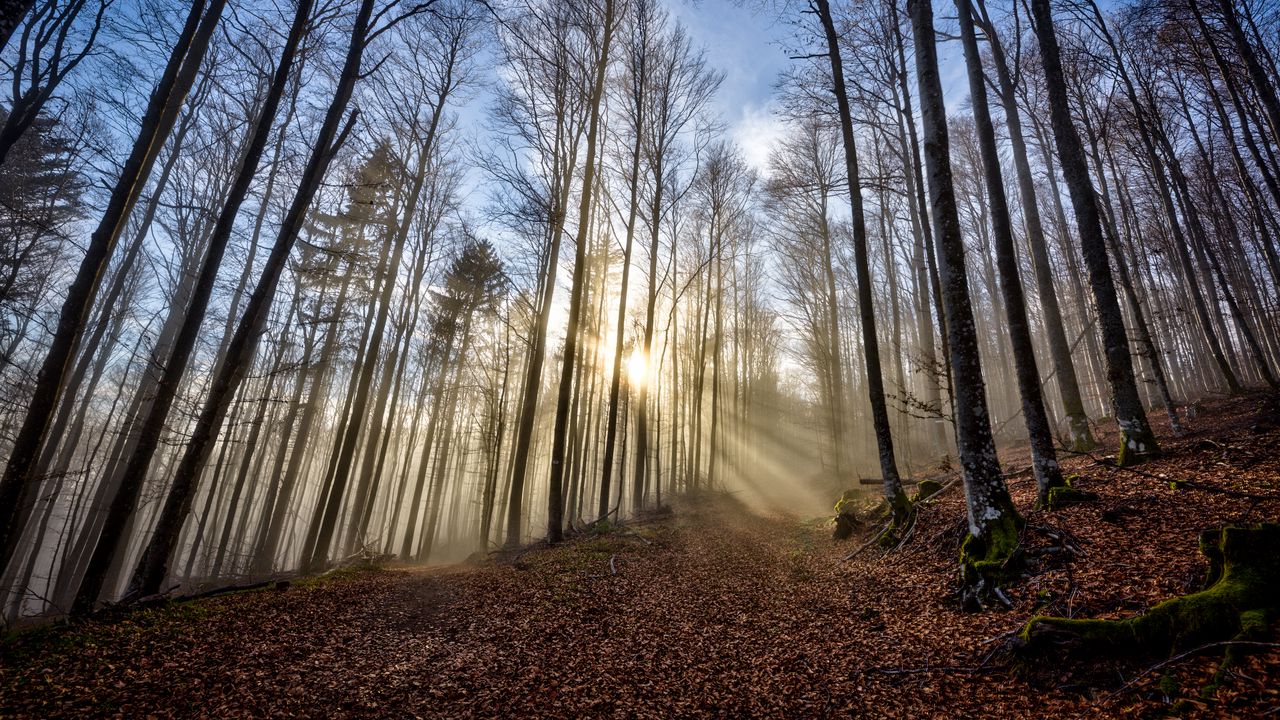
{"points": [[1067, 494], [926, 489], [1240, 601], [846, 524]]}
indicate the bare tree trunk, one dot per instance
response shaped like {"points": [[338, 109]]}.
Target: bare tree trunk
{"points": [[1137, 440], [1044, 459], [158, 120], [153, 566], [1257, 74], [122, 505], [893, 492], [992, 517], [1055, 329], [555, 500]]}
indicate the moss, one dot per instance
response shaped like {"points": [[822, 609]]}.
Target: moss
{"points": [[992, 558], [900, 506], [848, 502], [1242, 597], [845, 525], [1065, 494], [926, 489], [1136, 447]]}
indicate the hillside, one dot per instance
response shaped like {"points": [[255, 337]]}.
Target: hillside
{"points": [[708, 610]]}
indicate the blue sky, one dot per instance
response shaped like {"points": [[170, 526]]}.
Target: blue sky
{"points": [[744, 45], [745, 40]]}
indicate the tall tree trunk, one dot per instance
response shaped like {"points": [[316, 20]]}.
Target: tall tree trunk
{"points": [[992, 517], [892, 483], [122, 505], [615, 372], [1257, 74], [1055, 329], [555, 500], [1044, 459], [158, 120], [1136, 439]]}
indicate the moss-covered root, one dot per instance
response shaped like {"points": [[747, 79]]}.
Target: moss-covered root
{"points": [[1137, 444], [1064, 494], [990, 559], [1241, 599]]}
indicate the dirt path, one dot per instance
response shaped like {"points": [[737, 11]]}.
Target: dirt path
{"points": [[715, 612]]}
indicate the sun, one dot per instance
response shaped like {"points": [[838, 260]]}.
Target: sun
{"points": [[637, 367]]}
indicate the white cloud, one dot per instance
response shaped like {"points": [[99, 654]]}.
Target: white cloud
{"points": [[757, 131]]}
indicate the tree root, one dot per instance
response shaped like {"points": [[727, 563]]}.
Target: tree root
{"points": [[989, 560], [1239, 602]]}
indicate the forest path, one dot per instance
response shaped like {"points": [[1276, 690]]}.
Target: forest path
{"points": [[711, 611]]}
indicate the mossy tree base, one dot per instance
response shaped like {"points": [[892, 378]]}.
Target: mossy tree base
{"points": [[1240, 600], [990, 559], [1136, 447]]}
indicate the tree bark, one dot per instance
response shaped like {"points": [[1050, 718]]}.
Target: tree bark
{"points": [[1136, 438], [892, 483], [991, 511], [1044, 459], [161, 113]]}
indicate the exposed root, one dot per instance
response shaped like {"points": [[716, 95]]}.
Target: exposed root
{"points": [[1241, 599]]}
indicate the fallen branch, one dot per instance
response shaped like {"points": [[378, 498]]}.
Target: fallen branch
{"points": [[868, 544]]}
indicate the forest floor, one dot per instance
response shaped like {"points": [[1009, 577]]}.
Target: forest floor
{"points": [[712, 610]]}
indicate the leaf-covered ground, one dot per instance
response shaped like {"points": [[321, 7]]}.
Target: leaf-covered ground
{"points": [[712, 611]]}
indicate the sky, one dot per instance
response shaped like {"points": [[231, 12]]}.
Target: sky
{"points": [[746, 46]]}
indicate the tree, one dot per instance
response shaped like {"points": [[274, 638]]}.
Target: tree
{"points": [[600, 46], [1054, 327], [113, 538], [47, 53], [893, 492], [1137, 441], [153, 565], [1043, 457], [993, 521], [162, 110]]}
